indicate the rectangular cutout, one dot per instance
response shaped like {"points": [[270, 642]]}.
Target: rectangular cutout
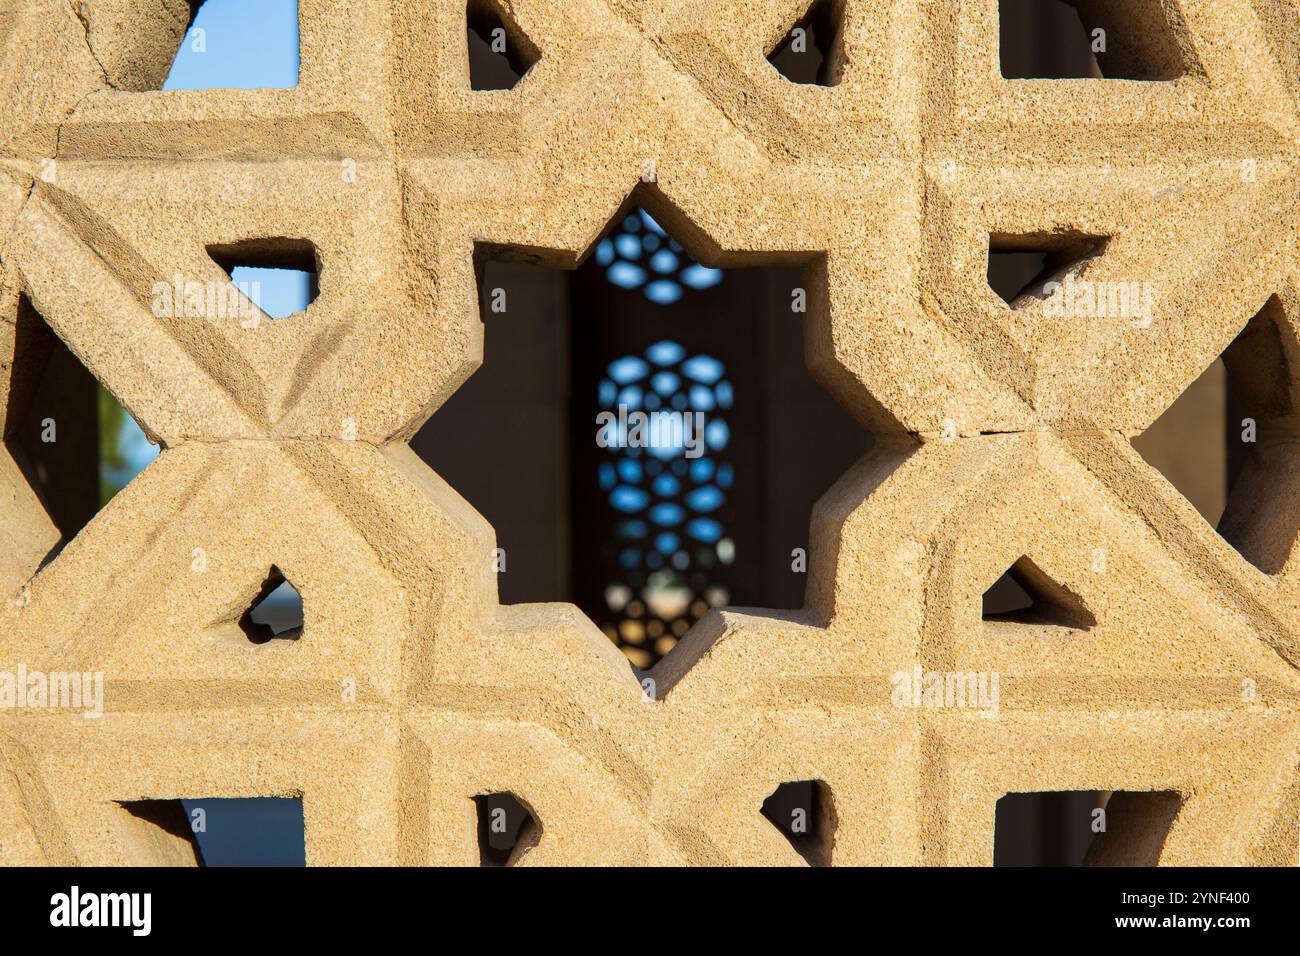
{"points": [[215, 831], [1083, 827]]}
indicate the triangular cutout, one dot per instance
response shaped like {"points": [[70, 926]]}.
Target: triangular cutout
{"points": [[1020, 265], [1230, 444], [507, 828], [280, 276], [812, 53], [499, 52], [1026, 595], [74, 442], [276, 613], [804, 812], [1088, 40]]}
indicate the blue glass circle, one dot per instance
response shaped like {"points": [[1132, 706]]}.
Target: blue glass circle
{"points": [[666, 514], [701, 277], [666, 486], [702, 398], [663, 291], [625, 275], [703, 368], [665, 383], [665, 353], [664, 262], [629, 247], [627, 369], [651, 224], [707, 498], [704, 529], [628, 499]]}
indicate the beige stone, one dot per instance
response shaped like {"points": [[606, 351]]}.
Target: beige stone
{"points": [[1006, 432]]}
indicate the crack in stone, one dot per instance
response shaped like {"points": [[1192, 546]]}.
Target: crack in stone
{"points": [[75, 7]]}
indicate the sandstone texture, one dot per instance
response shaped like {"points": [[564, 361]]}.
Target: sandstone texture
{"points": [[1005, 432]]}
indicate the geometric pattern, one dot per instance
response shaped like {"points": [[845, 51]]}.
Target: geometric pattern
{"points": [[666, 534], [412, 690], [640, 237]]}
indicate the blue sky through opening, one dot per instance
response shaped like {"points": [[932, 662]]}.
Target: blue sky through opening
{"points": [[277, 292], [245, 44]]}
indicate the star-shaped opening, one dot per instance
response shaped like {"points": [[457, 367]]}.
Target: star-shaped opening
{"points": [[554, 439]]}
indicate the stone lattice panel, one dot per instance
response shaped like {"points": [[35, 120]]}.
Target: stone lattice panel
{"points": [[1005, 431]]}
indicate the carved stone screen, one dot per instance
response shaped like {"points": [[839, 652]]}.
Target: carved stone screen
{"points": [[1021, 610]]}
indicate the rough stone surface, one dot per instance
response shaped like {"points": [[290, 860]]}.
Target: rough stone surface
{"points": [[1010, 431]]}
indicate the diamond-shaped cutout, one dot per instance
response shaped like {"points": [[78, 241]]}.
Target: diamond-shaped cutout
{"points": [[500, 53], [804, 812], [507, 828], [1024, 594], [74, 443], [276, 612], [1230, 444], [645, 536], [1089, 39], [1022, 267], [812, 53]]}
